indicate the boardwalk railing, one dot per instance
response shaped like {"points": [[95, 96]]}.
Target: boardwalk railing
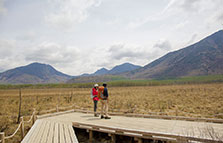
{"points": [[173, 112], [155, 115], [139, 135], [83, 110], [32, 119], [20, 126], [213, 120], [167, 117]]}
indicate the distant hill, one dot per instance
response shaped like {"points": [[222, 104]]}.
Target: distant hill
{"points": [[105, 75], [123, 68], [202, 58], [101, 71], [32, 74], [117, 69]]}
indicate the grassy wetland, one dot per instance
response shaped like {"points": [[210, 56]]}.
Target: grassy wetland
{"points": [[190, 100]]}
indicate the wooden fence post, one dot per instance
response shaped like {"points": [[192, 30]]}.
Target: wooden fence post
{"points": [[176, 112], [90, 136], [139, 140], [37, 101], [73, 106], [20, 103], [22, 128], [2, 137], [113, 138], [57, 109]]}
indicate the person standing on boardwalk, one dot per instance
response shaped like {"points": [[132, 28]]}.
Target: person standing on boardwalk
{"points": [[94, 93], [103, 95]]}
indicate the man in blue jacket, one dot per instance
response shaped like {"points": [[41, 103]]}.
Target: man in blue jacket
{"points": [[104, 102]]}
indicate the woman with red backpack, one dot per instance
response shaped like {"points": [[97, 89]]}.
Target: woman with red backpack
{"points": [[94, 96]]}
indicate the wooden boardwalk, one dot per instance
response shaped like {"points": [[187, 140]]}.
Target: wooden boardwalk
{"points": [[44, 131], [58, 128]]}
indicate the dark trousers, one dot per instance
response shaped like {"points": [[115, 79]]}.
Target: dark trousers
{"points": [[95, 105]]}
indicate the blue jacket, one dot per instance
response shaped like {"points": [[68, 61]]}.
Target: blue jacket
{"points": [[106, 92]]}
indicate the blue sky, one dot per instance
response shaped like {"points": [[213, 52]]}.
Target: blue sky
{"points": [[81, 36]]}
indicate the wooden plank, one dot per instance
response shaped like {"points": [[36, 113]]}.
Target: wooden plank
{"points": [[45, 133], [34, 135], [40, 133], [72, 134], [50, 134], [31, 132], [61, 133], [56, 134], [67, 134]]}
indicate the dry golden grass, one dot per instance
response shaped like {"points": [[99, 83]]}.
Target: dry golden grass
{"points": [[198, 100]]}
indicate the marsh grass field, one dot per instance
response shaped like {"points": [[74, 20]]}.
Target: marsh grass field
{"points": [[190, 100]]}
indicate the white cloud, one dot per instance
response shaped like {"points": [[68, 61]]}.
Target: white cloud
{"points": [[137, 23], [4, 65], [193, 6], [6, 48], [181, 24], [216, 14], [10, 55], [193, 38], [66, 14], [120, 53], [220, 17], [65, 58], [53, 53], [30, 35], [3, 10], [174, 7], [185, 5], [163, 44], [94, 27]]}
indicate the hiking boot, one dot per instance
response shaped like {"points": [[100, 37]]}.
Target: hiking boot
{"points": [[102, 116], [107, 117]]}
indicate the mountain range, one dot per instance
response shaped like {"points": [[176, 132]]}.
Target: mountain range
{"points": [[202, 58], [126, 67], [117, 69], [38, 73], [105, 75], [34, 73]]}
